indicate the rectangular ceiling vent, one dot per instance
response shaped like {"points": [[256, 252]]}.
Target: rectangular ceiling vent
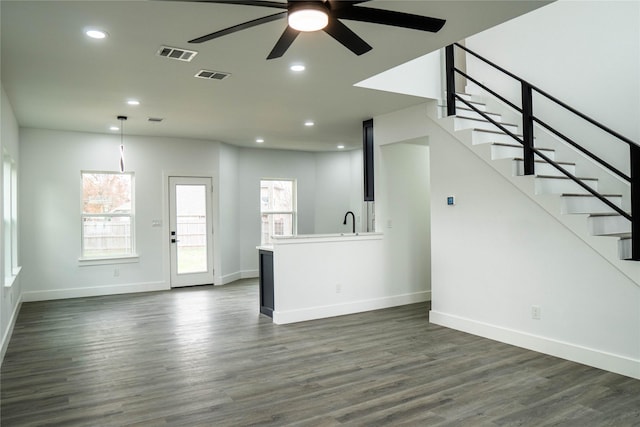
{"points": [[177, 53], [212, 75], [155, 119]]}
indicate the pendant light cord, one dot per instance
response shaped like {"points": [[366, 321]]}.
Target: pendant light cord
{"points": [[122, 119]]}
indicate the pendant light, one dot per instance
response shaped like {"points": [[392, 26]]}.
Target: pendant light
{"points": [[122, 119]]}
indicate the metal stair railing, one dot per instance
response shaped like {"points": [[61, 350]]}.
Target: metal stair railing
{"points": [[527, 140]]}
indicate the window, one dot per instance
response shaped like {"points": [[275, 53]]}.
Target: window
{"points": [[107, 215], [10, 218], [278, 208]]}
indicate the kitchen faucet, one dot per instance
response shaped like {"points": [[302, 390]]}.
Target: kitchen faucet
{"points": [[353, 223]]}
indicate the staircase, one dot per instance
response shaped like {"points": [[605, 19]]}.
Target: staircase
{"points": [[600, 226]]}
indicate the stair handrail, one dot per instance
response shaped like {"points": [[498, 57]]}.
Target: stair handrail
{"points": [[527, 141], [550, 97]]}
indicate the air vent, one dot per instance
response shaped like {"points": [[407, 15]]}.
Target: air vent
{"points": [[155, 119], [212, 75], [177, 53]]}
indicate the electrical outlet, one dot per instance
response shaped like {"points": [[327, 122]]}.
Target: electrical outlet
{"points": [[338, 288], [535, 312], [116, 272]]}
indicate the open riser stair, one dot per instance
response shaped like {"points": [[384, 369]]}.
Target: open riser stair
{"points": [[571, 200], [555, 171]]}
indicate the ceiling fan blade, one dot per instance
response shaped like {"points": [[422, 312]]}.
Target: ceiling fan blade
{"points": [[390, 17], [262, 3], [283, 43], [239, 27], [339, 4], [348, 38]]}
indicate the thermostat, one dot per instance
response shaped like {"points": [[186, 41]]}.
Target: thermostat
{"points": [[451, 200]]}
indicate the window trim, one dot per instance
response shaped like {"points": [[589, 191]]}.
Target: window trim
{"points": [[118, 258]]}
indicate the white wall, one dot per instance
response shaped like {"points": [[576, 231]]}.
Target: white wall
{"points": [[586, 53], [406, 223], [10, 298], [402, 195], [229, 227], [338, 191]]}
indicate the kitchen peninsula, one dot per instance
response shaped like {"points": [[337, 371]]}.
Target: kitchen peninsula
{"points": [[307, 277]]}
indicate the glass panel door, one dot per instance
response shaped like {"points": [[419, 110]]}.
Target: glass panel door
{"points": [[190, 231]]}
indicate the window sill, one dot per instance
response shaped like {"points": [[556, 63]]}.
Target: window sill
{"points": [[8, 281], [107, 261]]}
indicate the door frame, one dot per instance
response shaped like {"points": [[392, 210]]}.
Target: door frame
{"points": [[165, 232]]}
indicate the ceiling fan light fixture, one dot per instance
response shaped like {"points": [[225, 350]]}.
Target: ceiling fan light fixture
{"points": [[308, 17]]}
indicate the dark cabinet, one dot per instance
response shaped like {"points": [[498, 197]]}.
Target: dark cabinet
{"points": [[266, 282]]}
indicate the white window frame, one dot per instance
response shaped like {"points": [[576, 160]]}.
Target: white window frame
{"points": [[116, 258], [270, 214], [10, 219]]}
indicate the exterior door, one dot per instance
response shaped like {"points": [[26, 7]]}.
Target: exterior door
{"points": [[191, 231]]}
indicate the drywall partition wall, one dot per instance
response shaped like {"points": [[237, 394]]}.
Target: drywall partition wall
{"points": [[597, 72], [496, 255], [10, 297], [228, 230], [406, 226], [50, 173], [403, 196]]}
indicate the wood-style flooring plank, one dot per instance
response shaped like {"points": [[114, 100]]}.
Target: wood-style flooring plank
{"points": [[204, 356]]}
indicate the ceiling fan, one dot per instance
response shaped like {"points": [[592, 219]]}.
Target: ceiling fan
{"points": [[325, 15]]}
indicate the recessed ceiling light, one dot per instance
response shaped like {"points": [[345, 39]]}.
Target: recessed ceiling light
{"points": [[340, 147], [297, 67], [309, 123], [114, 128], [133, 102], [95, 34], [259, 140]]}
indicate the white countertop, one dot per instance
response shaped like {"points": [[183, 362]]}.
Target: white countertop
{"points": [[319, 238]]}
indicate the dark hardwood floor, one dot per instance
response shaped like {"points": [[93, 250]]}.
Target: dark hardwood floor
{"points": [[205, 357]]}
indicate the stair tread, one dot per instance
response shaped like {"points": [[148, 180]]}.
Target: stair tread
{"points": [[472, 102], [565, 177], [486, 121], [520, 159], [474, 111], [504, 144], [606, 214], [589, 195], [497, 132]]}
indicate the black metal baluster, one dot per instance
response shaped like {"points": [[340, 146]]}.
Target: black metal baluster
{"points": [[635, 201], [527, 128], [451, 81]]}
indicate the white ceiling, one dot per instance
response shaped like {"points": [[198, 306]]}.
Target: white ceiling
{"points": [[56, 78]]}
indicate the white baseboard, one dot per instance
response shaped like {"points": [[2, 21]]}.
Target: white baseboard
{"points": [[587, 356], [94, 291], [6, 337], [320, 312], [238, 275]]}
